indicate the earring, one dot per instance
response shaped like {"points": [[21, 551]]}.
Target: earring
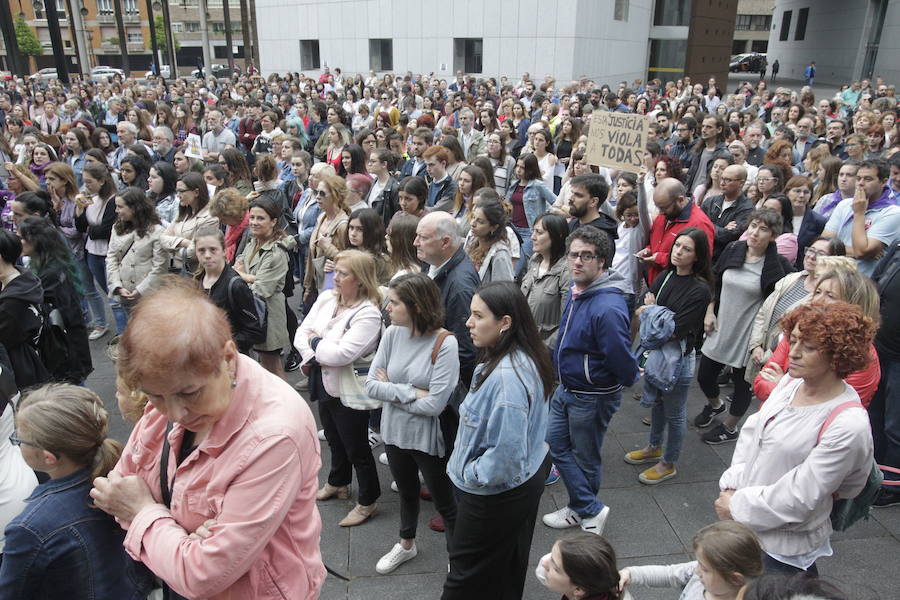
{"points": [[234, 383]]}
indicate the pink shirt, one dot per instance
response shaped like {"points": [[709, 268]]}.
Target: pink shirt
{"points": [[256, 474]]}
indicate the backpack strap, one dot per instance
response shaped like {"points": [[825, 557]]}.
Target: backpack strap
{"points": [[833, 415], [438, 342]]}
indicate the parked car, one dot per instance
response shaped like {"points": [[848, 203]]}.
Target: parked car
{"points": [[44, 75], [751, 62], [104, 74], [217, 71]]}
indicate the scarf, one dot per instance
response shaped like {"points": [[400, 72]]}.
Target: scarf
{"points": [[233, 237], [836, 198], [884, 200]]}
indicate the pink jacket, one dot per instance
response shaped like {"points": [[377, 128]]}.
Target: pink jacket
{"points": [[256, 474]]}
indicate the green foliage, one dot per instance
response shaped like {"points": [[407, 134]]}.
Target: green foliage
{"points": [[161, 39], [27, 40]]}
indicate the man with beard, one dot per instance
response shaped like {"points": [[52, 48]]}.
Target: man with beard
{"points": [[588, 194]]}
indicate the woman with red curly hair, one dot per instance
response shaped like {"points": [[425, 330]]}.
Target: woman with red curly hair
{"points": [[796, 456]]}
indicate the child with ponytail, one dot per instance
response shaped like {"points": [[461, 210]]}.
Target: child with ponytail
{"points": [[60, 546], [582, 566]]}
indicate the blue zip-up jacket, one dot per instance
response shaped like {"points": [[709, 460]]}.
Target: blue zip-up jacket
{"points": [[593, 349], [502, 426]]}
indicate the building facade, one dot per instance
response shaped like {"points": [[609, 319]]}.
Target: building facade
{"points": [[752, 26], [605, 40], [848, 39]]}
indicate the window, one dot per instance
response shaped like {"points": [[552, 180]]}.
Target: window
{"points": [[667, 59], [130, 8], [309, 55], [742, 23], [135, 38], [802, 17], [381, 55], [177, 27], [738, 46], [785, 26], [620, 11], [759, 46], [761, 22], [672, 12], [104, 7], [467, 55], [192, 26]]}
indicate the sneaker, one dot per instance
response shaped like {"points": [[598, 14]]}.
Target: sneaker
{"points": [[382, 458], [293, 360], [437, 524], [552, 476], [97, 333], [719, 435], [652, 476], [396, 557], [886, 498], [562, 518], [705, 418], [639, 457], [302, 385], [394, 487], [374, 438], [647, 420], [321, 435], [597, 523]]}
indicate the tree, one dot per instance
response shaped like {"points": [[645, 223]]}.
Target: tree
{"points": [[161, 40], [27, 40]]}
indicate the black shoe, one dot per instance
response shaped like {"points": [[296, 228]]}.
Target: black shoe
{"points": [[719, 435], [293, 360], [705, 418], [886, 498]]}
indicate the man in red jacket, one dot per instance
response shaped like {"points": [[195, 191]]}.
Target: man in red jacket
{"points": [[676, 212]]}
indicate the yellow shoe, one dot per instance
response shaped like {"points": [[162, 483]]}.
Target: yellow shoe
{"points": [[639, 457], [651, 476]]}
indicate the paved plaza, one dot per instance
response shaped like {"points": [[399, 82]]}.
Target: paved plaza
{"points": [[647, 525]]}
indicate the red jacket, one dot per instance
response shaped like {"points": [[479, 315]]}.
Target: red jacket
{"points": [[247, 132], [865, 381], [663, 233]]}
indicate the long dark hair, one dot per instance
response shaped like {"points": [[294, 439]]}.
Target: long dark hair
{"points": [[373, 231], [169, 175], [505, 298], [144, 215], [49, 249], [357, 160], [590, 563], [702, 267], [141, 170], [269, 207], [38, 204], [558, 228], [786, 212], [193, 181], [238, 170]]}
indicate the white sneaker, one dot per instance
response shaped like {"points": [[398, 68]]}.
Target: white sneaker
{"points": [[382, 458], [396, 557], [97, 333], [596, 523], [322, 435], [562, 518], [394, 487], [374, 438]]}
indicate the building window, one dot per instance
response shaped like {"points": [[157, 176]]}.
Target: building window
{"points": [[785, 26], [620, 11], [759, 46], [672, 12], [130, 8], [742, 23], [467, 55], [802, 17], [761, 22], [381, 55], [104, 7], [177, 27], [667, 59], [135, 38], [192, 26], [309, 55], [738, 46]]}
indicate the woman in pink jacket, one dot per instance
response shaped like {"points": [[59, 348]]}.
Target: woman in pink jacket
{"points": [[233, 514]]}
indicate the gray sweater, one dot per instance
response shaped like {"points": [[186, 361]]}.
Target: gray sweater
{"points": [[406, 421]]}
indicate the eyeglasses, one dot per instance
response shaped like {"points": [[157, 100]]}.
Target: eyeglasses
{"points": [[321, 193], [765, 179], [15, 440], [813, 253], [585, 257]]}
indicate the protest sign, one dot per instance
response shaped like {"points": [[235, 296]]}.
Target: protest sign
{"points": [[618, 140], [192, 146]]}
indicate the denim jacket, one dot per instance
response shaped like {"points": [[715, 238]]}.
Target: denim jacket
{"points": [[62, 547], [536, 199], [502, 424]]}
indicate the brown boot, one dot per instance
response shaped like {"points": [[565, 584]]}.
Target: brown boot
{"points": [[329, 491], [359, 515]]}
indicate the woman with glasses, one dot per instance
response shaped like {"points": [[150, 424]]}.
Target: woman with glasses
{"points": [[193, 215], [806, 223], [856, 146], [327, 239], [61, 546], [504, 164], [769, 182]]}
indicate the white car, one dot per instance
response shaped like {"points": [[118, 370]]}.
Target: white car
{"points": [[45, 74], [104, 74]]}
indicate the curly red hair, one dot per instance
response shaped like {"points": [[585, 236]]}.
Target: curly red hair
{"points": [[839, 329], [673, 165]]}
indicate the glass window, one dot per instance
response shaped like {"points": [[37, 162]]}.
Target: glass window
{"points": [[381, 55], [467, 55], [309, 55], [743, 22], [785, 25], [802, 17], [672, 12], [667, 59], [620, 11]]}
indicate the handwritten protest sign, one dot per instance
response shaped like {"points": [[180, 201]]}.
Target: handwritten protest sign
{"points": [[192, 146], [618, 140]]}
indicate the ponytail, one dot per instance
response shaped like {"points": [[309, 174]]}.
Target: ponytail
{"points": [[106, 457]]}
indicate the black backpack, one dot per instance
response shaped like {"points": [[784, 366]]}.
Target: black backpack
{"points": [[259, 308]]}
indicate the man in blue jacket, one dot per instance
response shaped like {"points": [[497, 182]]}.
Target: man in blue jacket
{"points": [[594, 362]]}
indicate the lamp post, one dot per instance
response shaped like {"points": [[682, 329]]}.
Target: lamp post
{"points": [[153, 45], [123, 38], [14, 59], [78, 16], [170, 37], [59, 53]]}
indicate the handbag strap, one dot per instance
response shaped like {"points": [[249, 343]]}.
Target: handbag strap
{"points": [[833, 415], [438, 342], [164, 488]]}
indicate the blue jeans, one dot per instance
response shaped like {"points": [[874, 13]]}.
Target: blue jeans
{"points": [[525, 250], [575, 432], [97, 267], [884, 413], [670, 412], [92, 298]]}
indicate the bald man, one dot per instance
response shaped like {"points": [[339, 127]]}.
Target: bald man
{"points": [[676, 212], [729, 211]]}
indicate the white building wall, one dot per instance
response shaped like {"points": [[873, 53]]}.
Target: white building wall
{"points": [[836, 37], [565, 38]]}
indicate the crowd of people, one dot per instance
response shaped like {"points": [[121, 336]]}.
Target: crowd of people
{"points": [[458, 282]]}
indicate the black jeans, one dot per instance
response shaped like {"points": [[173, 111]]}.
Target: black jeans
{"points": [[771, 565], [707, 376], [491, 541], [348, 440], [405, 466]]}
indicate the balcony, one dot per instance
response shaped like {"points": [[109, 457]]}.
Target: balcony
{"points": [[111, 18]]}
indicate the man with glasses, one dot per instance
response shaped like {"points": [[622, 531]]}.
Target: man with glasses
{"points": [[594, 361], [683, 140], [729, 211]]}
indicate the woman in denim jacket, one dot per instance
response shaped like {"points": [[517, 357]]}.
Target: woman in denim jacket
{"points": [[500, 460], [60, 546]]}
